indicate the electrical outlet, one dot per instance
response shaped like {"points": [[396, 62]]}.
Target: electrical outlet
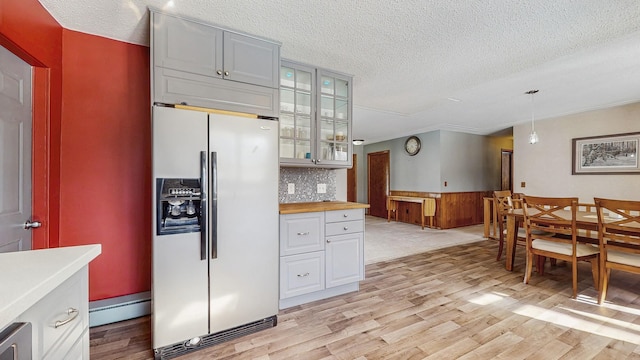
{"points": [[322, 188], [291, 188], [523, 184]]}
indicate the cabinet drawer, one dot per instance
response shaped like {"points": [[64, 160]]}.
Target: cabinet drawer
{"points": [[345, 227], [50, 342], [301, 233], [344, 215], [301, 274]]}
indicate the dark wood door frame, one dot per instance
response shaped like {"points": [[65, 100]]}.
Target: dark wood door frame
{"points": [[352, 180], [378, 182]]}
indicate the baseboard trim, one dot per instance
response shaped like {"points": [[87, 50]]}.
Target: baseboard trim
{"points": [[119, 308]]}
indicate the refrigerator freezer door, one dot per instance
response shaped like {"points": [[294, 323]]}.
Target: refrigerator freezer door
{"points": [[244, 276], [179, 276]]}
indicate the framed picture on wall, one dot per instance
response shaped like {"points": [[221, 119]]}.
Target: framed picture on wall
{"points": [[605, 155]]}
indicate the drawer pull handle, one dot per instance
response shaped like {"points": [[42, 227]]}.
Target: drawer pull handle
{"points": [[346, 228], [73, 314], [345, 215], [303, 275], [303, 233]]}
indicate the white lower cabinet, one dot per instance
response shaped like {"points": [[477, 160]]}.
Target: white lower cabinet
{"points": [[60, 320], [321, 255], [344, 263]]}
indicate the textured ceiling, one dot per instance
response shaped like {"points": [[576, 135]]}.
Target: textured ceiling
{"points": [[408, 57]]}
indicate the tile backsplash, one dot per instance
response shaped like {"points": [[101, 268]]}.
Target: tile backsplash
{"points": [[306, 182]]}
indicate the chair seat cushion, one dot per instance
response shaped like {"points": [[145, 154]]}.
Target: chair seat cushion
{"points": [[564, 248], [619, 257], [522, 232]]}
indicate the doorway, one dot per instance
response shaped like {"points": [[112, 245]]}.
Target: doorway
{"points": [[506, 172], [378, 182], [15, 146]]}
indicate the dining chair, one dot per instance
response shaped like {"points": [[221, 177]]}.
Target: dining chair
{"points": [[504, 202], [619, 237], [550, 225]]}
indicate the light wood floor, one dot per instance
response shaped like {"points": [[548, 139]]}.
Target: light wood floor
{"points": [[452, 303]]}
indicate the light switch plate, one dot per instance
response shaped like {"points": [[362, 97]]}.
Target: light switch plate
{"points": [[291, 188], [322, 188]]}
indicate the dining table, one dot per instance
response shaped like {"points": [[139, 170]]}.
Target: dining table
{"points": [[585, 220]]}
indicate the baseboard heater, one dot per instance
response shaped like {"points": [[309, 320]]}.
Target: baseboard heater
{"points": [[119, 308], [175, 350]]}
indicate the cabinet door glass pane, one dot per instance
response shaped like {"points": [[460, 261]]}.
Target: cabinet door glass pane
{"points": [[303, 149], [286, 100], [342, 88], [342, 109], [287, 76], [326, 106], [303, 80], [303, 127], [327, 84], [333, 151], [287, 148], [286, 125], [341, 129], [303, 103], [327, 131]]}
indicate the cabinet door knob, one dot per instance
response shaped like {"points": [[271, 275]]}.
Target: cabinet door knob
{"points": [[345, 215], [346, 228], [226, 73], [219, 72], [328, 241]]}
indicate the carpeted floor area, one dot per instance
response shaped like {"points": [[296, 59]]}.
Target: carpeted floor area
{"points": [[391, 240]]}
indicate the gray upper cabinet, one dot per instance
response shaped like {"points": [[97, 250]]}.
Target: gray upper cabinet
{"points": [[202, 65], [188, 46], [315, 117], [250, 60]]}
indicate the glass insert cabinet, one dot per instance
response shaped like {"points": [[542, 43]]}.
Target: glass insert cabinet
{"points": [[315, 117]]}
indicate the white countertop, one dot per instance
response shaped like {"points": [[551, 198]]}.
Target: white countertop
{"points": [[27, 276]]}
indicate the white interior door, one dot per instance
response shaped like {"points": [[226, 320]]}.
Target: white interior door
{"points": [[15, 152]]}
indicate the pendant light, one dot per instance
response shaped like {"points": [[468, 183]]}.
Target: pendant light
{"points": [[533, 137]]}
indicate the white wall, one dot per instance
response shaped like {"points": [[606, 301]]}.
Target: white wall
{"points": [[546, 166], [463, 164]]}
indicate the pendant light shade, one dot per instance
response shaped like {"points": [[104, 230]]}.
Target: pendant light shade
{"points": [[533, 137]]}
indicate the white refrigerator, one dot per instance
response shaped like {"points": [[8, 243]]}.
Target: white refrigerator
{"points": [[215, 228]]}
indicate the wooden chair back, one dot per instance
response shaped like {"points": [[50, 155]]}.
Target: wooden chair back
{"points": [[619, 237], [503, 202], [552, 219]]}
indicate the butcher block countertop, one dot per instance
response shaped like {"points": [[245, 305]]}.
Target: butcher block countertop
{"points": [[294, 208], [27, 276]]}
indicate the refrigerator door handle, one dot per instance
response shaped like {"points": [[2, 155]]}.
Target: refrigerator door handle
{"points": [[203, 205], [214, 205]]}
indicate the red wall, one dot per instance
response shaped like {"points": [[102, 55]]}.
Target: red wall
{"points": [[105, 160], [91, 144]]}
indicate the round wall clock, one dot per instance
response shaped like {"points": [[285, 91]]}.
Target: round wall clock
{"points": [[412, 145]]}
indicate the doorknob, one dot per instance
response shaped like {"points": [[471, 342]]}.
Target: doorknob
{"points": [[32, 224]]}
